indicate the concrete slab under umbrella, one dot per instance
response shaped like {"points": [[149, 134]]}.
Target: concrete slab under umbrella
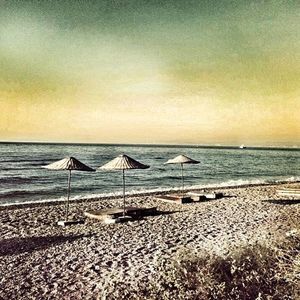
{"points": [[123, 162], [68, 164]]}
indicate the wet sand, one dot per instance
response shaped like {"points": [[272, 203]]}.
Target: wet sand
{"points": [[41, 260]]}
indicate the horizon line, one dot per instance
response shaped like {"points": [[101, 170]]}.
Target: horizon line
{"points": [[218, 145]]}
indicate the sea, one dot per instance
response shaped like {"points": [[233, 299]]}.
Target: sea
{"points": [[22, 178]]}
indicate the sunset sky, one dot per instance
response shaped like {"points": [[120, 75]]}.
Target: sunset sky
{"points": [[145, 71]]}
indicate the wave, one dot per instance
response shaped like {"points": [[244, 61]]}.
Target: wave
{"points": [[142, 192], [229, 183], [21, 193], [21, 159], [15, 180]]}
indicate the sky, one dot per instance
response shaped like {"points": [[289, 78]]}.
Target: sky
{"points": [[148, 71]]}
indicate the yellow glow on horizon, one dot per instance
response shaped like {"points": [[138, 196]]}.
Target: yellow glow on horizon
{"points": [[154, 119]]}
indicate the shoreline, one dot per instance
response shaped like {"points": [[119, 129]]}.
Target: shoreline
{"points": [[129, 195]]}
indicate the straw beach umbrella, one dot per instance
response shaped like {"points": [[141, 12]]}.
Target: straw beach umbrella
{"points": [[123, 162], [69, 164], [182, 159]]}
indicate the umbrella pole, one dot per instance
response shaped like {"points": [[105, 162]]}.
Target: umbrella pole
{"points": [[123, 193], [182, 178], [68, 199]]}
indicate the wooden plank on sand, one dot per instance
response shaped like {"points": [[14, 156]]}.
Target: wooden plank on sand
{"points": [[294, 192], [113, 213], [175, 199]]}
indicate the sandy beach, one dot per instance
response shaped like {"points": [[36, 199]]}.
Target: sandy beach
{"points": [[41, 260], [148, 99]]}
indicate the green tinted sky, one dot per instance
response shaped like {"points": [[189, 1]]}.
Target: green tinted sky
{"points": [[150, 71]]}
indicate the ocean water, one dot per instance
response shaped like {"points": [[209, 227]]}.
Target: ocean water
{"points": [[23, 180]]}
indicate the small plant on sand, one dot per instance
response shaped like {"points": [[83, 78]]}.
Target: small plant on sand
{"points": [[256, 272], [249, 273]]}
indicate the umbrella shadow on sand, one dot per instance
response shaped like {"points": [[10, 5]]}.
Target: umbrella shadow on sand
{"points": [[19, 245], [283, 201]]}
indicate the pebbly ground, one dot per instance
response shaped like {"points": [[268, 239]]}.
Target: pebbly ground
{"points": [[41, 260]]}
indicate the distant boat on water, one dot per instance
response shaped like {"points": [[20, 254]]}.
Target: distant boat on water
{"points": [[242, 146]]}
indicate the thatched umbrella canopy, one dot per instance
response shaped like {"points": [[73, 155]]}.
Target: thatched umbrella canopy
{"points": [[182, 159], [70, 164], [123, 162]]}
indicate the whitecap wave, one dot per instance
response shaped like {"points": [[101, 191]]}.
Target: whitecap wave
{"points": [[229, 183]]}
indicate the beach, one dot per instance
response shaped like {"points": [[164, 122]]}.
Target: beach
{"points": [[41, 260], [114, 110]]}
